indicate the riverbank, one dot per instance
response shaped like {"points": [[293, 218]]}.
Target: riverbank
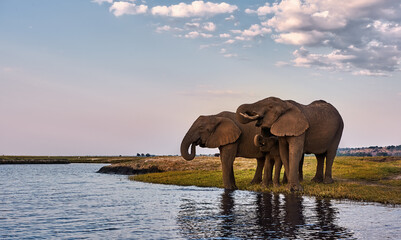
{"points": [[370, 179], [65, 159]]}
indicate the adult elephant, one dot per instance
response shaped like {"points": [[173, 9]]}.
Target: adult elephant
{"points": [[233, 139], [314, 128]]}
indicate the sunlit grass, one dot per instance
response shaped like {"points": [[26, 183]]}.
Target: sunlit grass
{"points": [[356, 178]]}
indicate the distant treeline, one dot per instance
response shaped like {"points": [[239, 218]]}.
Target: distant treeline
{"points": [[370, 151]]}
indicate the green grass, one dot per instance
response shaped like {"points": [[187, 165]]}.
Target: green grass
{"points": [[356, 178]]}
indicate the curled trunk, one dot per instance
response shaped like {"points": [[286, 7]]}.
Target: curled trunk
{"points": [[243, 114], [186, 142]]}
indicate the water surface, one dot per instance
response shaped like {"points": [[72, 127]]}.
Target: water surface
{"points": [[73, 201]]}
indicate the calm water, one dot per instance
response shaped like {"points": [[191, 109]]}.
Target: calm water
{"points": [[72, 201]]}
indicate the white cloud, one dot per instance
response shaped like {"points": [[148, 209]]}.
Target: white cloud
{"points": [[194, 34], [363, 36], [164, 28], [300, 38], [230, 41], [230, 18], [225, 35], [230, 55], [100, 2], [167, 28], [253, 31], [122, 8], [209, 26], [195, 9]]}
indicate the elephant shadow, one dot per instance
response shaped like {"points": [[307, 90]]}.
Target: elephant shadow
{"points": [[265, 215]]}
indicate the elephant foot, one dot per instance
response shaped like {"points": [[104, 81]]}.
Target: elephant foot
{"points": [[328, 181], [276, 185], [317, 179], [295, 187], [266, 184], [256, 181]]}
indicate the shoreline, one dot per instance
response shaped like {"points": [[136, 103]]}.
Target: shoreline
{"points": [[363, 179], [367, 179], [65, 159]]}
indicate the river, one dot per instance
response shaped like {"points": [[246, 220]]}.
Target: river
{"points": [[74, 202]]}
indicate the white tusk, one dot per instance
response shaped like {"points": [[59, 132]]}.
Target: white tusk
{"points": [[250, 117]]}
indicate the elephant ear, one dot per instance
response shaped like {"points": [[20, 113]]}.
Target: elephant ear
{"points": [[291, 123], [225, 132]]}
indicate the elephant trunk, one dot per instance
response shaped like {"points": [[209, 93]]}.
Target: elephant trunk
{"points": [[186, 142], [257, 141], [244, 115]]}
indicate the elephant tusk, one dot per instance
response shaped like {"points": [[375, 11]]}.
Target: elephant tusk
{"points": [[254, 117]]}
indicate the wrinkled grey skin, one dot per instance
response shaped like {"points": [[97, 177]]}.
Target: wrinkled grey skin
{"points": [[233, 139], [270, 146], [314, 128]]}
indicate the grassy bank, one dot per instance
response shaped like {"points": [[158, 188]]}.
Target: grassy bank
{"points": [[372, 179], [64, 159]]}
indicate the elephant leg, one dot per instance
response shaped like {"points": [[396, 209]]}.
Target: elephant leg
{"points": [[259, 169], [283, 147], [227, 157], [300, 171], [285, 178], [319, 168], [329, 164], [267, 174], [296, 150], [277, 169], [331, 154]]}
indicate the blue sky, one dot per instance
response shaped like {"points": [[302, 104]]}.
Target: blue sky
{"points": [[122, 77]]}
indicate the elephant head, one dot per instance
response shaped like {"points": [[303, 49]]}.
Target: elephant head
{"points": [[211, 132], [282, 118], [266, 144]]}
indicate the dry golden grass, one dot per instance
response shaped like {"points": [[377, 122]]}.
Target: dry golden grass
{"points": [[374, 179]]}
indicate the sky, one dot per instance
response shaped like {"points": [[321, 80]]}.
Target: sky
{"points": [[104, 77]]}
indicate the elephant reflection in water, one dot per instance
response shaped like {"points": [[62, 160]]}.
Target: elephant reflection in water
{"points": [[267, 216]]}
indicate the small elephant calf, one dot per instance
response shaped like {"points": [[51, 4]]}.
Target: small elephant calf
{"points": [[270, 146]]}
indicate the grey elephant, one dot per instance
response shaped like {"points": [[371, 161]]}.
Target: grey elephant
{"points": [[269, 145], [314, 128], [233, 139]]}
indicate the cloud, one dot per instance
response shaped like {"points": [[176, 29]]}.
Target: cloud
{"points": [[100, 2], [194, 34], [195, 9], [230, 18], [281, 64], [224, 35], [209, 26], [253, 31], [122, 8], [230, 41], [300, 38], [363, 36]]}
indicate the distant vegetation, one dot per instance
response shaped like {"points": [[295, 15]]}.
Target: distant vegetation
{"points": [[370, 151]]}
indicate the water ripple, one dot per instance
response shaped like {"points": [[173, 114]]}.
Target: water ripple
{"points": [[73, 201]]}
